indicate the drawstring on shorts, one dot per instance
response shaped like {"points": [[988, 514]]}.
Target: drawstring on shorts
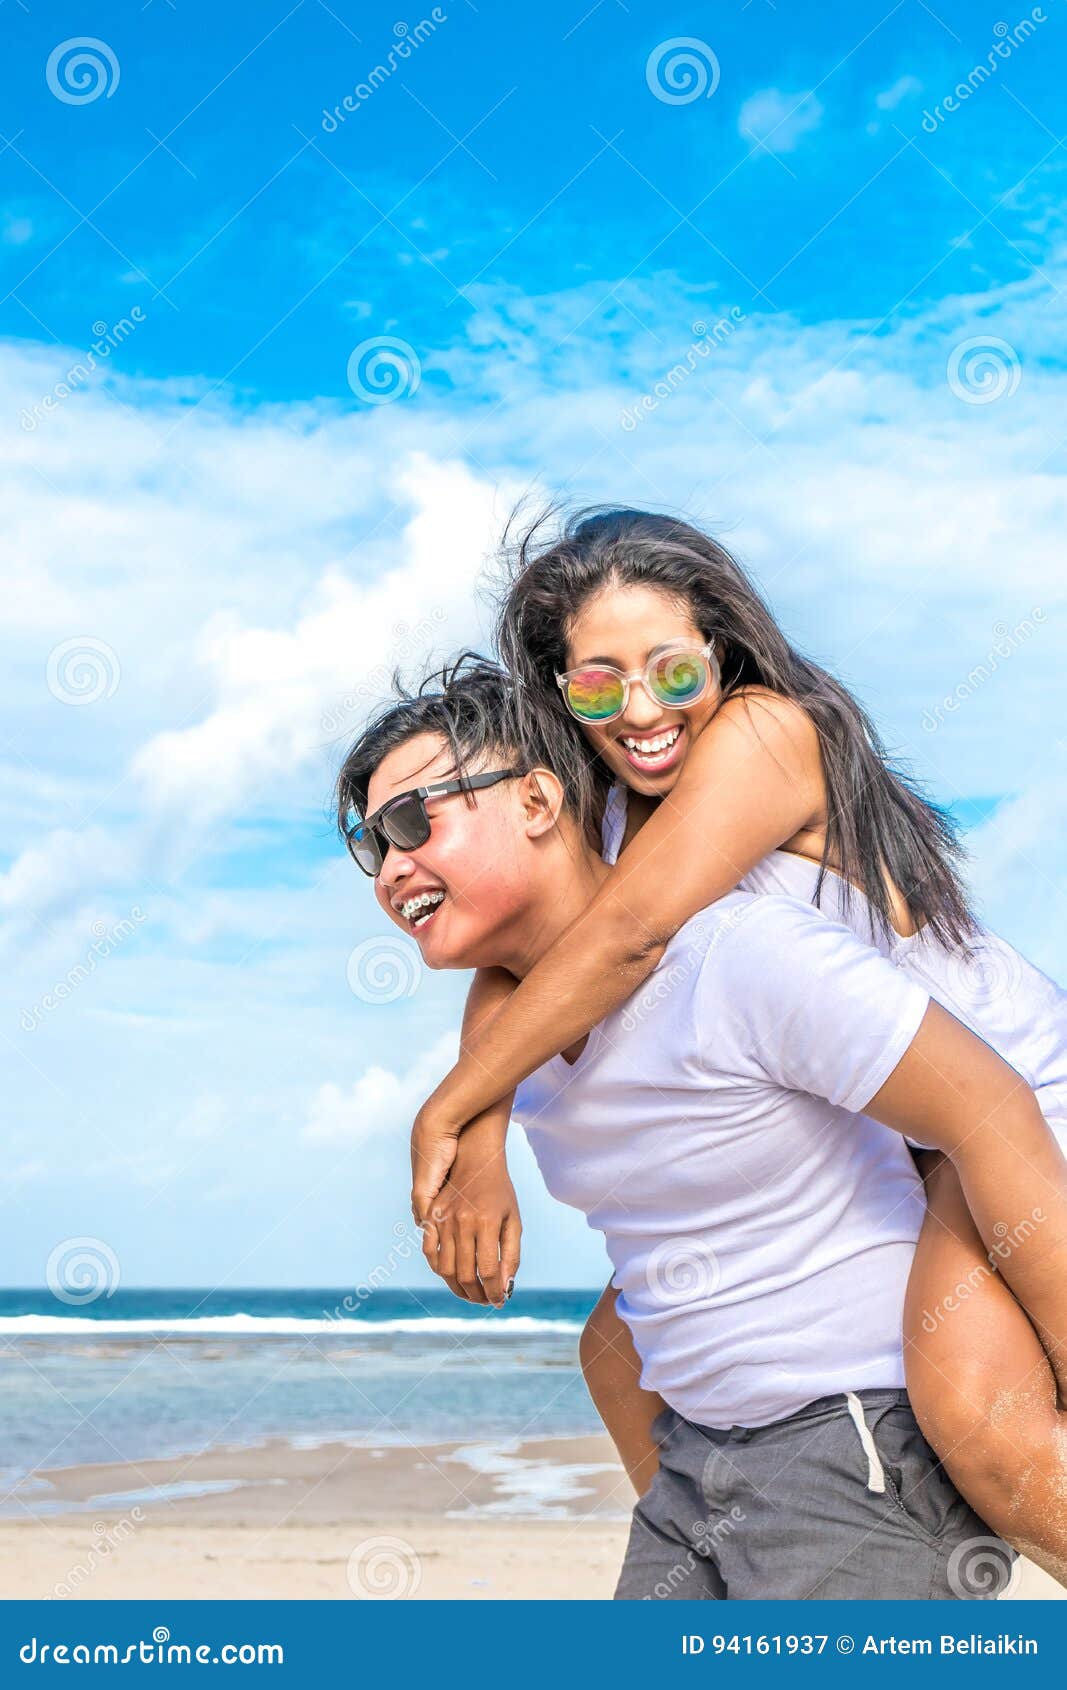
{"points": [[875, 1472]]}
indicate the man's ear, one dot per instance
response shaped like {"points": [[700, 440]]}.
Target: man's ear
{"points": [[541, 797]]}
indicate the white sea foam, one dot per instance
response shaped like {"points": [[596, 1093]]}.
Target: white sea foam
{"points": [[277, 1326], [534, 1488]]}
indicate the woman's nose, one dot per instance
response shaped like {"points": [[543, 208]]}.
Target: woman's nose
{"points": [[641, 710]]}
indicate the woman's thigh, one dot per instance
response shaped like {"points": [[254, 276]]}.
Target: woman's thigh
{"points": [[612, 1371], [979, 1381]]}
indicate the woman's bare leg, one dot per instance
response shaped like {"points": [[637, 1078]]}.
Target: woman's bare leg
{"points": [[612, 1371], [980, 1382]]}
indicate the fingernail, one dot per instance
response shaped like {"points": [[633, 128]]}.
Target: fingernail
{"points": [[510, 1288]]}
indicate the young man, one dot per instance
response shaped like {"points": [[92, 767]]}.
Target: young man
{"points": [[723, 1132]]}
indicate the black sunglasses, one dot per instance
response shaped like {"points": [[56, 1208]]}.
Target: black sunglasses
{"points": [[403, 821]]}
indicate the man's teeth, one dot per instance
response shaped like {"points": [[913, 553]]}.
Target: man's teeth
{"points": [[420, 909], [648, 747]]}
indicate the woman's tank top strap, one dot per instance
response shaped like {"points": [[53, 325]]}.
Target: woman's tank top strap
{"points": [[613, 826]]}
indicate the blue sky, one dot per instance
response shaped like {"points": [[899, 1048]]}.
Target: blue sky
{"points": [[212, 194], [219, 540]]}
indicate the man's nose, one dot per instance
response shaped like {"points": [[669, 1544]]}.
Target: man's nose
{"points": [[397, 867]]}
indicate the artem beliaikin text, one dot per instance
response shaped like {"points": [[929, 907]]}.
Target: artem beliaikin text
{"points": [[976, 1643]]}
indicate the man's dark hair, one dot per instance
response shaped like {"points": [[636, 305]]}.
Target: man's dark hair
{"points": [[472, 705]]}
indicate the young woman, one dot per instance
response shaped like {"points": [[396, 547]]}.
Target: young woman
{"points": [[707, 753]]}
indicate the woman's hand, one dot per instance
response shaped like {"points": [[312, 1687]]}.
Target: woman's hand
{"points": [[473, 1230], [438, 1125], [434, 1143]]}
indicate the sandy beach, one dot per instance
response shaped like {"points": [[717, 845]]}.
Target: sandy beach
{"points": [[530, 1520], [548, 1519]]}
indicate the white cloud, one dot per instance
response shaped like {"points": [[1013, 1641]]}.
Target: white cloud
{"points": [[205, 1119], [280, 693], [56, 874], [251, 568], [255, 581], [17, 230], [778, 121], [902, 89], [1018, 875], [381, 1103], [258, 577]]}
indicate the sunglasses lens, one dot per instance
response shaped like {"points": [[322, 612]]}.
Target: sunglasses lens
{"points": [[595, 695], [679, 678], [406, 825], [363, 847]]}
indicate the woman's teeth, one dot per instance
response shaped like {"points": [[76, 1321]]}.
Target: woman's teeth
{"points": [[652, 751], [419, 910]]}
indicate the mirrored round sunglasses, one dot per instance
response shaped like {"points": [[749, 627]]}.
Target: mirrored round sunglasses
{"points": [[676, 677]]}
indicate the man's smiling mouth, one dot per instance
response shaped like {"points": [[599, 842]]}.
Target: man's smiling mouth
{"points": [[420, 909]]}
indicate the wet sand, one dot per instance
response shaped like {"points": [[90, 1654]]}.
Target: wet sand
{"points": [[451, 1521]]}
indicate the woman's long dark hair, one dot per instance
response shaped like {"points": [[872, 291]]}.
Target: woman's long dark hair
{"points": [[877, 823]]}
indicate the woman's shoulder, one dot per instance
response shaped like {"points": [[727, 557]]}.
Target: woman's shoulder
{"points": [[761, 704], [780, 726]]}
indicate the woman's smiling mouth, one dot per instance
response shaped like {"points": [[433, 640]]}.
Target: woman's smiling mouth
{"points": [[650, 753]]}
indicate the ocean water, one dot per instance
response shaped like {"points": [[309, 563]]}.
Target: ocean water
{"points": [[160, 1373]]}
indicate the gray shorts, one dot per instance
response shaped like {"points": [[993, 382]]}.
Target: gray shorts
{"points": [[845, 1499]]}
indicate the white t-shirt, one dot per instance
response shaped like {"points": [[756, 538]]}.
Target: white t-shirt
{"points": [[988, 985], [761, 1228]]}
